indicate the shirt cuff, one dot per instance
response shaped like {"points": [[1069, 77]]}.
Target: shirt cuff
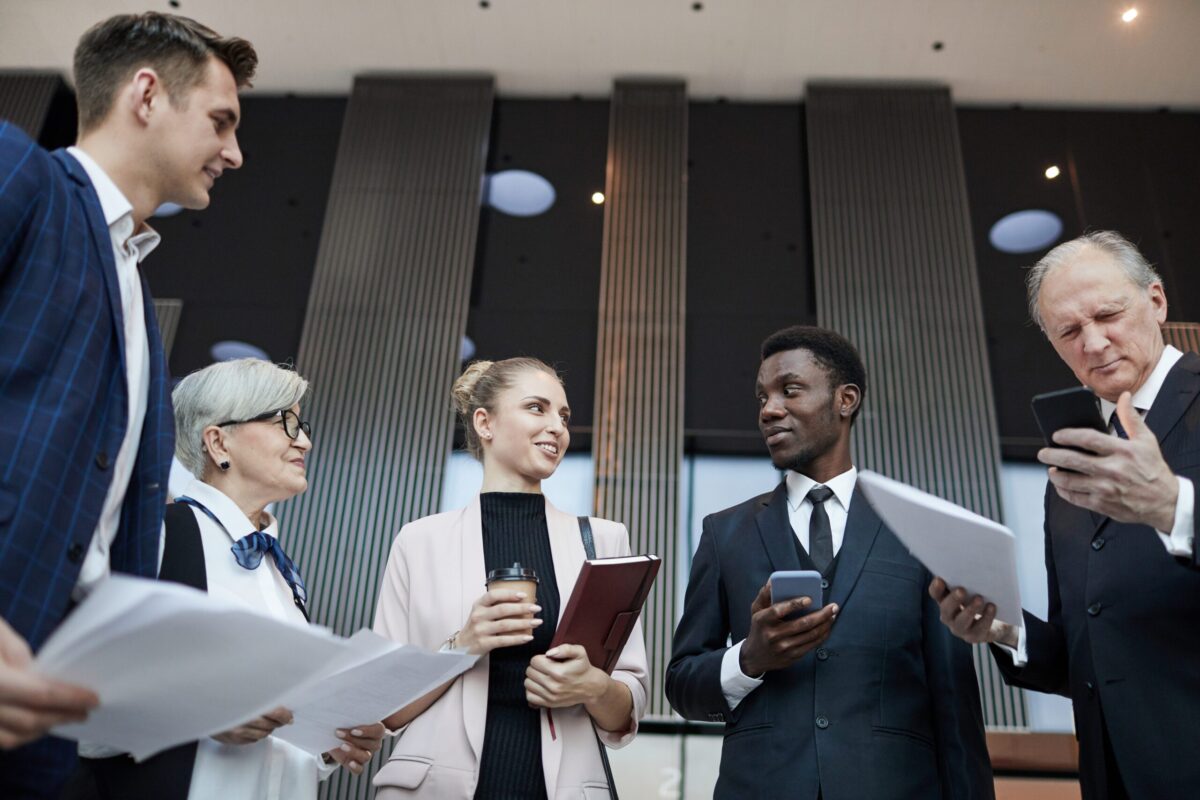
{"points": [[1020, 657], [735, 684], [1181, 540]]}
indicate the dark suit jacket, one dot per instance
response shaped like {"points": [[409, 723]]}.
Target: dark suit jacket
{"points": [[888, 707], [1124, 625], [63, 393]]}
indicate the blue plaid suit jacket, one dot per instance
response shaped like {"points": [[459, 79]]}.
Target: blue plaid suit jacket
{"points": [[63, 392]]}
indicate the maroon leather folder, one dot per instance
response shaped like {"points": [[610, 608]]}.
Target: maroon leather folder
{"points": [[608, 597]]}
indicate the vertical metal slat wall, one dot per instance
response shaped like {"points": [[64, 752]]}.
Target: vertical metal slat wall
{"points": [[638, 443], [25, 98], [895, 273], [380, 345]]}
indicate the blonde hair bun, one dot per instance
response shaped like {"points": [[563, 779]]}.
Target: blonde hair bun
{"points": [[464, 386]]}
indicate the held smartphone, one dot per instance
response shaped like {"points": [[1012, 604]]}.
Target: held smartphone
{"points": [[790, 583], [1068, 408]]}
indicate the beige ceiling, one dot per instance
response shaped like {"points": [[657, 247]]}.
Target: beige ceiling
{"points": [[1035, 52]]}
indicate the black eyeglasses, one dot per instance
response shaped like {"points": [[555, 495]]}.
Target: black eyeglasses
{"points": [[292, 424]]}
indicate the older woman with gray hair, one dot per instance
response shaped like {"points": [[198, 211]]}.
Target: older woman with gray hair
{"points": [[240, 434]]}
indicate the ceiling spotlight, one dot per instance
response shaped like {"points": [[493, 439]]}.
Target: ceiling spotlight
{"points": [[598, 198], [1130, 15], [1053, 171]]}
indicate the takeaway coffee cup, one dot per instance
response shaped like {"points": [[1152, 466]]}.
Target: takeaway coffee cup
{"points": [[515, 579]]}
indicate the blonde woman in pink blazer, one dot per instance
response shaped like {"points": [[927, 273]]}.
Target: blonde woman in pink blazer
{"points": [[523, 723]]}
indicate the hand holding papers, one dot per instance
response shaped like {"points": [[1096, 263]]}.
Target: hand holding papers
{"points": [[378, 677], [955, 544], [171, 664]]}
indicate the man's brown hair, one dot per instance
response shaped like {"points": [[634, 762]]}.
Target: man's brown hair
{"points": [[177, 48]]}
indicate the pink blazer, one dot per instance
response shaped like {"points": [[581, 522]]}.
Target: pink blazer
{"points": [[434, 574]]}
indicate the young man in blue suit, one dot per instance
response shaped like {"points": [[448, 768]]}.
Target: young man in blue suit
{"points": [[86, 431], [865, 697], [1121, 637]]}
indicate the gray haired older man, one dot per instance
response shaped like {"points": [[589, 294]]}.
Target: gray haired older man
{"points": [[1123, 635]]}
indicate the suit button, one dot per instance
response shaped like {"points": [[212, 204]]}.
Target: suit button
{"points": [[1098, 543], [822, 722], [75, 553], [824, 583], [1094, 609], [822, 654], [1091, 688], [102, 460]]}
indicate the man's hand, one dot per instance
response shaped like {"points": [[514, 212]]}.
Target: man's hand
{"points": [[256, 729], [30, 705], [1127, 480], [971, 619], [774, 642], [358, 745]]}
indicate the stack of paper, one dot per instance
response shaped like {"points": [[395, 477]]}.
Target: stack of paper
{"points": [[381, 678], [172, 665], [953, 543]]}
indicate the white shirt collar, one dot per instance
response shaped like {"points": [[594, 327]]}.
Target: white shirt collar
{"points": [[799, 485], [118, 211], [232, 518], [1144, 397]]}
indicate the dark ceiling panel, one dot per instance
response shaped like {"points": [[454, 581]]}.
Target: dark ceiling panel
{"points": [[1137, 173]]}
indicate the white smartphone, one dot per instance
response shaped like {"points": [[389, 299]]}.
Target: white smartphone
{"points": [[789, 583]]}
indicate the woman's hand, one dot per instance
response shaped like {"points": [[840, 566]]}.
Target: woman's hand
{"points": [[256, 729], [358, 745], [500, 618], [564, 677]]}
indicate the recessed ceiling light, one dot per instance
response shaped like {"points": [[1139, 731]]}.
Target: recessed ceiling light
{"points": [[518, 192], [598, 198], [1130, 15], [1053, 171], [1026, 231], [231, 349]]}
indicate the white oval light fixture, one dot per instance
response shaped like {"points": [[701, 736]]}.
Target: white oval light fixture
{"points": [[1053, 171], [230, 349], [466, 349], [518, 192], [167, 210], [1130, 15], [598, 198], [1026, 231]]}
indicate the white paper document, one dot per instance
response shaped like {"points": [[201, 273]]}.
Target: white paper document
{"points": [[953, 543], [172, 664], [380, 678]]}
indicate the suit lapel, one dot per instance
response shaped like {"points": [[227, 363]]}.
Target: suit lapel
{"points": [[1178, 392], [775, 528], [566, 550], [474, 577], [101, 242], [862, 526]]}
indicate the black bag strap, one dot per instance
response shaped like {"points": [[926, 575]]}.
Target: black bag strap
{"points": [[183, 550], [589, 547]]}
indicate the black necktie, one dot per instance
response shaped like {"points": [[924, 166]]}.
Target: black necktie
{"points": [[1117, 427], [820, 536]]}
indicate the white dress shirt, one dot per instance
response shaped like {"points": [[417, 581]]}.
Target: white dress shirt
{"points": [[129, 248], [735, 684], [269, 769], [1178, 540]]}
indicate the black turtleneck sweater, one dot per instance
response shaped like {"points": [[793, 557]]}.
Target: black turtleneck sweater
{"points": [[510, 768]]}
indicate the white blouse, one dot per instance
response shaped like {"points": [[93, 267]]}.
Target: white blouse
{"points": [[269, 769]]}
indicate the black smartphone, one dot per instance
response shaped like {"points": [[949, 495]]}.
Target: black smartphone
{"points": [[1068, 408]]}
